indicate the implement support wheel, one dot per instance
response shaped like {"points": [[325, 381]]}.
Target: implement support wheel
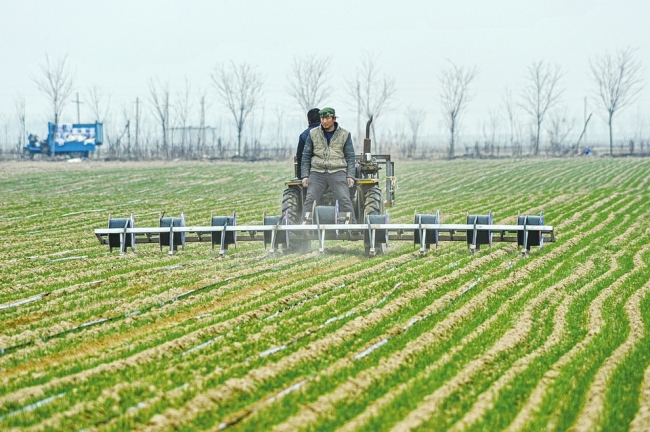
{"points": [[372, 205], [292, 206]]}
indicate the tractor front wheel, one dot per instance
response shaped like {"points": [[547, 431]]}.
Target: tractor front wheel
{"points": [[372, 202]]}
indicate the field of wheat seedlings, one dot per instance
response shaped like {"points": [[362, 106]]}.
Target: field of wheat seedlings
{"points": [[93, 340]]}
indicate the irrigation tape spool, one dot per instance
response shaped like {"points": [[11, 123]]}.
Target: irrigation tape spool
{"points": [[526, 239], [224, 238], [476, 237], [115, 240], [423, 237], [328, 215], [172, 240]]}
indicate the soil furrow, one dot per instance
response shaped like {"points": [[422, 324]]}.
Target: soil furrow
{"points": [[219, 395], [486, 399], [513, 337], [591, 414], [641, 420], [594, 326]]}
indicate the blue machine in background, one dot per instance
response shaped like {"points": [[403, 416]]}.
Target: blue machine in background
{"points": [[67, 139]]}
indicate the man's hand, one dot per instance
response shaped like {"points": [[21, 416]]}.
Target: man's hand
{"points": [[305, 182], [350, 182]]}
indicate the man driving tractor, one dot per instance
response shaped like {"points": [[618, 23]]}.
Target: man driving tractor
{"points": [[328, 160]]}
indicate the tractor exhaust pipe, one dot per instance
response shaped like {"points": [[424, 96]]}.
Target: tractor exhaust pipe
{"points": [[366, 142]]}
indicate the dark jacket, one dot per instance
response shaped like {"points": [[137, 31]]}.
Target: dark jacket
{"points": [[340, 158], [301, 144]]}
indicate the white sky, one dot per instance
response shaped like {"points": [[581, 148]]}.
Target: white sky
{"points": [[119, 45]]}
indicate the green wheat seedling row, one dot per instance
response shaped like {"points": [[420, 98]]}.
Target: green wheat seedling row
{"points": [[303, 419], [153, 383]]}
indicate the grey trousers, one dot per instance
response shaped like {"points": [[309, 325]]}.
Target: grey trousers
{"points": [[338, 182]]}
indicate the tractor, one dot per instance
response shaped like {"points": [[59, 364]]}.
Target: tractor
{"points": [[294, 232], [368, 198]]}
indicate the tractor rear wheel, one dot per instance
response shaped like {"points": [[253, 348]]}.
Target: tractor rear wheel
{"points": [[292, 207]]}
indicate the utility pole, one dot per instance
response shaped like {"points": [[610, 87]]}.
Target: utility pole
{"points": [[202, 126], [78, 102], [359, 136], [137, 122], [128, 139], [585, 120]]}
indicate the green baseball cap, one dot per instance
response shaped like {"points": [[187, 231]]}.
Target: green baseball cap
{"points": [[327, 112]]}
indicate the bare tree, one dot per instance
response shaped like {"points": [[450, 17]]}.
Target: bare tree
{"points": [[98, 102], [5, 122], [491, 132], [639, 126], [21, 116], [201, 140], [415, 118], [513, 123], [182, 111], [240, 89], [618, 80], [57, 84], [559, 128], [160, 101], [370, 93], [454, 96], [308, 83], [540, 93]]}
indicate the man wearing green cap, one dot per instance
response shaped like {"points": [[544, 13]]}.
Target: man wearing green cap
{"points": [[328, 160]]}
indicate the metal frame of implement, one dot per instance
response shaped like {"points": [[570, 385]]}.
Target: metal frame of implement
{"points": [[376, 231]]}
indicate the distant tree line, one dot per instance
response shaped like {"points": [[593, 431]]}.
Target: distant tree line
{"points": [[239, 88]]}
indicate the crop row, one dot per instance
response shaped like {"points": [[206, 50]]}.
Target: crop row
{"points": [[448, 340]]}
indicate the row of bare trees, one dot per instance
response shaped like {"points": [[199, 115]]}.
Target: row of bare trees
{"points": [[617, 80]]}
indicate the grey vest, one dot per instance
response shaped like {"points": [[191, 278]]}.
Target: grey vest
{"points": [[328, 158]]}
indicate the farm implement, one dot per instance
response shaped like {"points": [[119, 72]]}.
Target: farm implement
{"points": [[295, 229], [327, 224]]}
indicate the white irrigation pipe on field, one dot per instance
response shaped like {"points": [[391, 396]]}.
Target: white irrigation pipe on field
{"points": [[90, 323], [388, 295], [173, 267], [418, 319], [84, 211], [315, 296], [268, 401], [286, 391], [33, 406], [272, 351], [203, 345], [336, 318], [66, 259], [24, 301], [410, 323], [40, 296], [472, 285], [371, 349]]}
